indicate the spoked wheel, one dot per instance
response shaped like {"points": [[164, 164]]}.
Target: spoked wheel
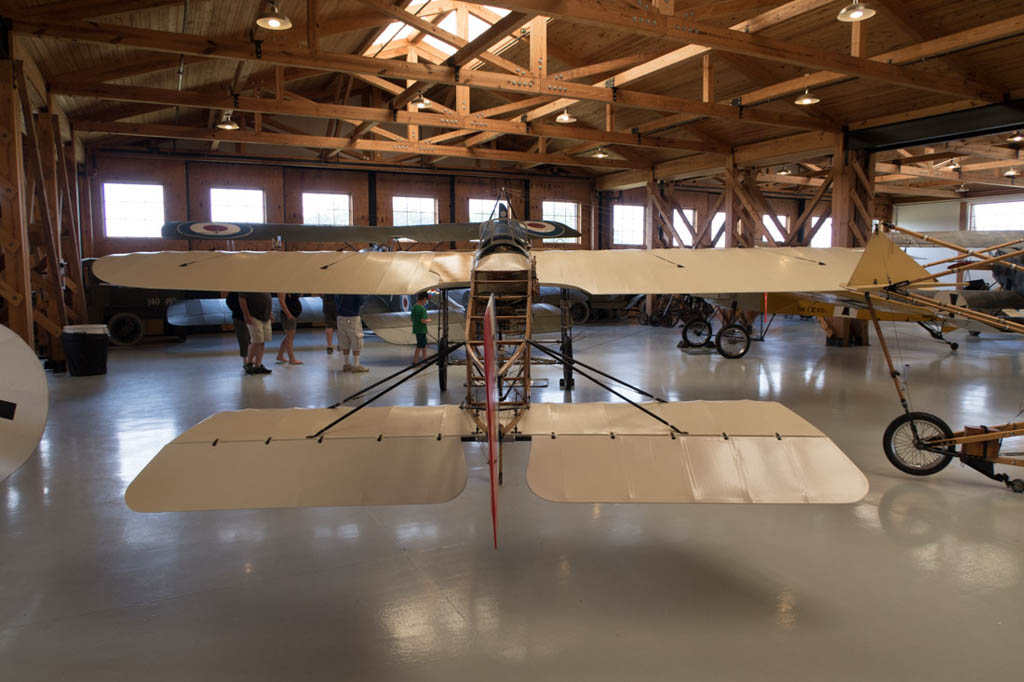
{"points": [[697, 332], [906, 450], [733, 341]]}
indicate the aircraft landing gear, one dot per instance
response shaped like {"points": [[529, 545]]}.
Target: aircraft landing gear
{"points": [[938, 335]]}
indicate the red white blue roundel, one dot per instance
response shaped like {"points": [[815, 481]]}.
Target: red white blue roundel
{"points": [[543, 229], [215, 230]]}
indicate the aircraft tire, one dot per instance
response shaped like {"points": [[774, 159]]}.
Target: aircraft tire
{"points": [[733, 341], [697, 332], [126, 329], [903, 453]]}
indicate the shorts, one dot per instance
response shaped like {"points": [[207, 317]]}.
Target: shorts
{"points": [[288, 323], [259, 331], [330, 312], [350, 333], [421, 340]]}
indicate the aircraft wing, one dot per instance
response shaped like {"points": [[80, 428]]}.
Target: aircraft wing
{"points": [[653, 271], [968, 239], [289, 232], [733, 452], [24, 402]]}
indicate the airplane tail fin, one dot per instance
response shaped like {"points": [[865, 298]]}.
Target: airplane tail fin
{"points": [[883, 263]]}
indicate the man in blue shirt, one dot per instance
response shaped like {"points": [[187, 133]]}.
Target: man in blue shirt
{"points": [[350, 330]]}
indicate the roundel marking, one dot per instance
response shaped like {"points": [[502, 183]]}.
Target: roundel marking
{"points": [[542, 228], [222, 230]]}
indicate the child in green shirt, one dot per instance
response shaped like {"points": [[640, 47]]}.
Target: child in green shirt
{"points": [[419, 327]]}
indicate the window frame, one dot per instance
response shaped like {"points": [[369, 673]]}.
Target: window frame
{"points": [[546, 216], [106, 212], [395, 212], [263, 204], [348, 209], [643, 218]]}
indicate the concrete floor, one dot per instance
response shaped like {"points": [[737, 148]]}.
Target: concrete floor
{"points": [[924, 579]]}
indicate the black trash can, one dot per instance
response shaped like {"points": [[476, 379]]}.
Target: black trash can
{"points": [[85, 346]]}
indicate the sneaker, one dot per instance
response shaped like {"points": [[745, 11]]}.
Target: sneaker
{"points": [[359, 368], [346, 368], [329, 350], [249, 369], [261, 370]]}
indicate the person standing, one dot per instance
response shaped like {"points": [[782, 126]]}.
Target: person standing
{"points": [[350, 330], [419, 327], [291, 308], [330, 320], [241, 329], [256, 308]]}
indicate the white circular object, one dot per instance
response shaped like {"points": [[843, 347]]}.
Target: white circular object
{"points": [[220, 230], [24, 401]]}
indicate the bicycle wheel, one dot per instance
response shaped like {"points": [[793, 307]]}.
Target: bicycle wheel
{"points": [[733, 341], [697, 332], [905, 451]]}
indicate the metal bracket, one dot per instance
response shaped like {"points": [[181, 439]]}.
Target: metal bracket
{"points": [[257, 43], [234, 96]]}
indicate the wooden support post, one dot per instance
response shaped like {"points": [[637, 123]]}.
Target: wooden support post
{"points": [[412, 130], [15, 284], [708, 90], [313, 25], [852, 206], [857, 38], [730, 204], [462, 100], [539, 46]]}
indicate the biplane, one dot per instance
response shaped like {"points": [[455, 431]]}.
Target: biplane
{"points": [[633, 451]]}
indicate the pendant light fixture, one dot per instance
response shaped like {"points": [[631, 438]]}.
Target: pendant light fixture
{"points": [[421, 102], [1016, 137], [857, 11], [273, 20], [226, 122], [600, 153], [565, 117], [806, 99]]}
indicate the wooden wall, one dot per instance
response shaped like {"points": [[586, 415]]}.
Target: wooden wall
{"points": [[187, 190]]}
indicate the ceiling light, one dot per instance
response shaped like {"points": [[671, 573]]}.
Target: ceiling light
{"points": [[565, 117], [1016, 137], [962, 189], [1012, 173], [858, 11], [785, 171], [226, 123], [421, 102], [806, 99], [274, 20], [954, 165], [600, 153]]}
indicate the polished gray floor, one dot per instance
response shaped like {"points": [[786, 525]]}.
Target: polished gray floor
{"points": [[924, 579]]}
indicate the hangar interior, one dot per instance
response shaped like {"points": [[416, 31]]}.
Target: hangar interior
{"points": [[675, 130]]}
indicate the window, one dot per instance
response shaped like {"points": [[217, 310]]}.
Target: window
{"points": [[131, 210], [680, 225], [237, 205], [567, 212], [716, 225], [628, 225], [480, 210], [823, 237], [999, 215], [769, 224], [326, 209], [413, 210]]}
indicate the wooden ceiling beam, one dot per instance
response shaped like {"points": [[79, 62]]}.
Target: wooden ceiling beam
{"points": [[90, 9], [324, 142], [646, 20], [310, 109], [929, 49], [179, 43], [467, 53], [679, 56]]}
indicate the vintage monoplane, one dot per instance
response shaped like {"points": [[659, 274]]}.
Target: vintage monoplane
{"points": [[738, 451]]}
